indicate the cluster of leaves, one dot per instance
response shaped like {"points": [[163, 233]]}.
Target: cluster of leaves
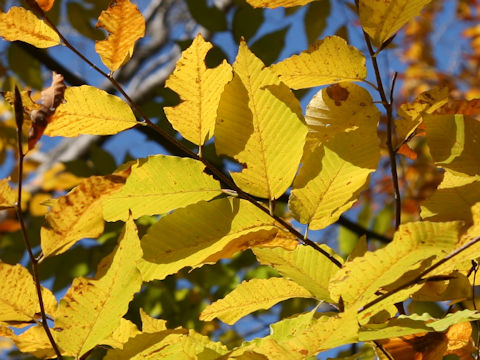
{"points": [[178, 213]]}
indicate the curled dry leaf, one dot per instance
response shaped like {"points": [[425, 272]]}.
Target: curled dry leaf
{"points": [[51, 98]]}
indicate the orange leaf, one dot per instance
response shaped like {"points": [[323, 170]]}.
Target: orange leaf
{"points": [[407, 151], [45, 5]]}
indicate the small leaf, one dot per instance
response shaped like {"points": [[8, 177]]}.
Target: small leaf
{"points": [[92, 309], [35, 341], [21, 24], [8, 197], [186, 236], [88, 110], [45, 5], [259, 119], [269, 46], [159, 184], [277, 3], [316, 19], [382, 19], [18, 296], [212, 17], [78, 214], [195, 116], [125, 25], [124, 332], [328, 61], [251, 296], [304, 265]]}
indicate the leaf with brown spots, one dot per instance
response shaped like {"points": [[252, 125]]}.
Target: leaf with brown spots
{"points": [[77, 215]]}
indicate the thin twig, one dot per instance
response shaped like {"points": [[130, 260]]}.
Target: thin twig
{"points": [[18, 207], [420, 278], [189, 153], [388, 105]]}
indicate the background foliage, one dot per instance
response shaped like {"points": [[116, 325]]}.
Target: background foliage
{"points": [[392, 283]]}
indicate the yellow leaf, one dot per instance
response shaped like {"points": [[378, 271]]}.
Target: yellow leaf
{"points": [[88, 110], [277, 3], [415, 246], [412, 113], [125, 331], [58, 179], [253, 295], [453, 199], [328, 61], [454, 142], [21, 24], [200, 90], [8, 196], [125, 25], [78, 214], [18, 296], [186, 236], [159, 184], [260, 124], [45, 5], [178, 344], [304, 265], [150, 324], [92, 308], [35, 342], [334, 172], [382, 19], [37, 204]]}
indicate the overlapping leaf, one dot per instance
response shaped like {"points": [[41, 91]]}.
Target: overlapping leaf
{"points": [[411, 114], [415, 246], [328, 61], [194, 118], [304, 265], [78, 214], [382, 19], [35, 341], [251, 296], [88, 110], [187, 237], [92, 308], [18, 296], [259, 122], [454, 142], [343, 149], [21, 24], [453, 199], [7, 195], [125, 331], [125, 25], [159, 184], [277, 3]]}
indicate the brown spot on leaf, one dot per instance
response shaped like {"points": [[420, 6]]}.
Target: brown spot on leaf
{"points": [[337, 93]]}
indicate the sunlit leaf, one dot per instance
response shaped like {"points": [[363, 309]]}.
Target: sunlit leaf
{"points": [[150, 324], [328, 61], [411, 114], [121, 334], [454, 142], [125, 25], [259, 121], [78, 214], [415, 246], [35, 342], [8, 196], [343, 149], [159, 184], [18, 296], [187, 238], [277, 3], [195, 116], [253, 295], [453, 199], [304, 265], [382, 19], [92, 308], [45, 5], [88, 110], [21, 24]]}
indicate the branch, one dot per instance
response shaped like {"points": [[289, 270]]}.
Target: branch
{"points": [[182, 148], [18, 207]]}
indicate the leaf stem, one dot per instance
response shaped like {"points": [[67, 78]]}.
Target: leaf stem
{"points": [[420, 278], [388, 105], [18, 207], [189, 153]]}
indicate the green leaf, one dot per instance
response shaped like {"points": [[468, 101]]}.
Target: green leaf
{"points": [[159, 184], [210, 17], [246, 22], [316, 19], [269, 46], [25, 66]]}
